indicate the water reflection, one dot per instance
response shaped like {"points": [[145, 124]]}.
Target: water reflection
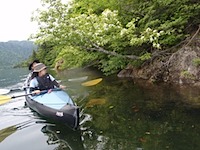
{"points": [[54, 137], [139, 116], [120, 114], [64, 137], [4, 133]]}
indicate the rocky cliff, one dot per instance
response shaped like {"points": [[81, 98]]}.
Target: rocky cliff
{"points": [[181, 65]]}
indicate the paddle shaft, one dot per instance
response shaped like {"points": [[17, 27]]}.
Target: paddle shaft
{"points": [[5, 99], [87, 83], [41, 92], [22, 95]]}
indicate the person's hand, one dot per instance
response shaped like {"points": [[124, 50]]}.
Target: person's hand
{"points": [[36, 92], [49, 91], [62, 86]]}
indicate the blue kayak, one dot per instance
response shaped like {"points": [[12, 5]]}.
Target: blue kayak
{"points": [[57, 106]]}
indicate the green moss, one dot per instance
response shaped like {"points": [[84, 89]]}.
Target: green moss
{"points": [[196, 61]]}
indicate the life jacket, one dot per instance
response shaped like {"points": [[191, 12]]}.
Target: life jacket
{"points": [[44, 82]]}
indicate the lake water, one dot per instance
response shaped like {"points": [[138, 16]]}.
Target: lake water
{"points": [[116, 114], [12, 76]]}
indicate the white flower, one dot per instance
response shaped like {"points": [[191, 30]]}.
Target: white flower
{"points": [[123, 32], [148, 29], [158, 45], [151, 39], [154, 31], [142, 37]]}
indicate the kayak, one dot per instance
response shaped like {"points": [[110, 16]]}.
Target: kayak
{"points": [[56, 106]]}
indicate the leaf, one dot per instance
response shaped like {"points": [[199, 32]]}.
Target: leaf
{"points": [[111, 107]]}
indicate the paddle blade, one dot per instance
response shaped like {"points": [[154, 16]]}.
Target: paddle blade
{"points": [[92, 82], [4, 99], [4, 91], [78, 79]]}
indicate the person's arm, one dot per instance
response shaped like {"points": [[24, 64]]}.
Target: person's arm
{"points": [[27, 81], [33, 85], [55, 83]]}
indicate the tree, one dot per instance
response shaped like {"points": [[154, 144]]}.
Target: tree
{"points": [[148, 28]]}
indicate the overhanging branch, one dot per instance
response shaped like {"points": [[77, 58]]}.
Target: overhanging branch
{"points": [[102, 50]]}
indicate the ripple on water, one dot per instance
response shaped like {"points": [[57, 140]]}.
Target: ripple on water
{"points": [[14, 112]]}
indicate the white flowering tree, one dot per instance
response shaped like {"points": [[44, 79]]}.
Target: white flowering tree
{"points": [[103, 34]]}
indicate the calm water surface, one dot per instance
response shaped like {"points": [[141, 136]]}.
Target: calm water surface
{"points": [[116, 114]]}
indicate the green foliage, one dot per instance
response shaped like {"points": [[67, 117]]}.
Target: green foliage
{"points": [[74, 58], [145, 56], [145, 37], [196, 61], [47, 53], [112, 65], [186, 74], [116, 29]]}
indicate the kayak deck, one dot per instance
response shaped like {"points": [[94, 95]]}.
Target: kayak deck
{"points": [[54, 99]]}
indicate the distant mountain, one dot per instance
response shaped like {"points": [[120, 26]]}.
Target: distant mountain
{"points": [[14, 52]]}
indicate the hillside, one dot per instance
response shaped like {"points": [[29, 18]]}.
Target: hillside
{"points": [[14, 52]]}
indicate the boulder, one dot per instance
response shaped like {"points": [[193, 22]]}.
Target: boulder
{"points": [[182, 67]]}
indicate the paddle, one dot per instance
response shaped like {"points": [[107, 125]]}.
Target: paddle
{"points": [[6, 91], [92, 82], [79, 79], [87, 83], [5, 98]]}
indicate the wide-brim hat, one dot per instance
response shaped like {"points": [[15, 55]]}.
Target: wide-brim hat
{"points": [[39, 67]]}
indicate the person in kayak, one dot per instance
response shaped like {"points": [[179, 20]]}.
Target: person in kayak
{"points": [[29, 77], [41, 80]]}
